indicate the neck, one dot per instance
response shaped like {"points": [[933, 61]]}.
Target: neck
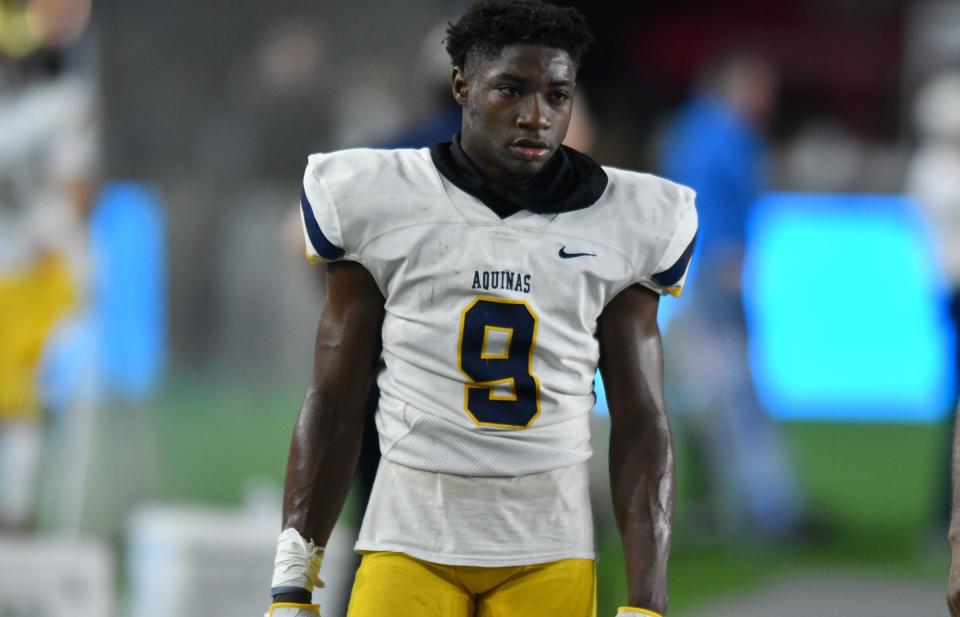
{"points": [[570, 181]]}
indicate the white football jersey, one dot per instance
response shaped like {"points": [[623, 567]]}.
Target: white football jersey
{"points": [[489, 334]]}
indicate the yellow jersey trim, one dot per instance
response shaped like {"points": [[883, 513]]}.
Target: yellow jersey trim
{"points": [[312, 259], [292, 605]]}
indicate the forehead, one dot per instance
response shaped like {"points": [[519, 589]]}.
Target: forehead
{"points": [[531, 62]]}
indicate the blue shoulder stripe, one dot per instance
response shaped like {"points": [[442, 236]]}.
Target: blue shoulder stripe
{"points": [[672, 275], [324, 247]]}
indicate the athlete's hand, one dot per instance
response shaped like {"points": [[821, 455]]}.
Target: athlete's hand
{"points": [[291, 609]]}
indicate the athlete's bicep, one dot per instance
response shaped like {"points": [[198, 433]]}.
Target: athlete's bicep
{"points": [[631, 358], [348, 337]]}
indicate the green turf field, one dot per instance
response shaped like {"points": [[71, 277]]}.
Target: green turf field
{"points": [[875, 486]]}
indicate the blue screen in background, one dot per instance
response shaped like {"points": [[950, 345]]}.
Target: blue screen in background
{"points": [[846, 309], [117, 348]]}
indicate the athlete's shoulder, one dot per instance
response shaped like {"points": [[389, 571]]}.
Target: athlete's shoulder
{"points": [[655, 223], [364, 165], [350, 196], [647, 195]]}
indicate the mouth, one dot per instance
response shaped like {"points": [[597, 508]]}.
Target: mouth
{"points": [[530, 149]]}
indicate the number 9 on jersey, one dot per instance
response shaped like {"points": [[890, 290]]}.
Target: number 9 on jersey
{"points": [[497, 340]]}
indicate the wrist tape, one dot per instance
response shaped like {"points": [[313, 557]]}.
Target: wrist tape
{"points": [[297, 565]]}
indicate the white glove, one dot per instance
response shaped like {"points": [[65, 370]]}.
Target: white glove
{"points": [[629, 611], [289, 609]]}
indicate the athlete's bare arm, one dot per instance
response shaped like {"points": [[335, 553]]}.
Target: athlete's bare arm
{"points": [[326, 439], [953, 583], [641, 452]]}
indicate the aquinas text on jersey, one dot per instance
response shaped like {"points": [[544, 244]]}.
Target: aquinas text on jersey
{"points": [[501, 279]]}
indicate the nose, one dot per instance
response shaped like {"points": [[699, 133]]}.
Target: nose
{"points": [[533, 116]]}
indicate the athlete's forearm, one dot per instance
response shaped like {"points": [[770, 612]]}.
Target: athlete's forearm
{"points": [[954, 534], [323, 458], [953, 580], [642, 482]]}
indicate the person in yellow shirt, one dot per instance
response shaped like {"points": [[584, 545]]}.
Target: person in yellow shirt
{"points": [[47, 145]]}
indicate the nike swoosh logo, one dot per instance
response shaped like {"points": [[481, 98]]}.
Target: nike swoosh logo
{"points": [[565, 255]]}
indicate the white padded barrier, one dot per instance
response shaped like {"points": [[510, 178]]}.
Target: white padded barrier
{"points": [[54, 577], [186, 560]]}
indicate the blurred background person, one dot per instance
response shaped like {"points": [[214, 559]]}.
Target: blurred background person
{"points": [[715, 145], [933, 179], [49, 164], [46, 170], [438, 117]]}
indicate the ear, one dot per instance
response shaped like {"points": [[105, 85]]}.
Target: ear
{"points": [[460, 86]]}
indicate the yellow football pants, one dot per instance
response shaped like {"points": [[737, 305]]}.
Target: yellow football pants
{"points": [[32, 301], [397, 585]]}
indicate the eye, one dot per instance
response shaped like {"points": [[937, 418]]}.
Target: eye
{"points": [[560, 96], [508, 91]]}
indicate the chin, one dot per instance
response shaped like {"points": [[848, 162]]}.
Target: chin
{"points": [[524, 168]]}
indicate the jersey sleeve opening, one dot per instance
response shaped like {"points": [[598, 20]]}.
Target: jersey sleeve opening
{"points": [[323, 247]]}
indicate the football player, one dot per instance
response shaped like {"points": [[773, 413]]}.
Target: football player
{"points": [[489, 277]]}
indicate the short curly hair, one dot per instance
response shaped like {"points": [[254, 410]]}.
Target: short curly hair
{"points": [[490, 25]]}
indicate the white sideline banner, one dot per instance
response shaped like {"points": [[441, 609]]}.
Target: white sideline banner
{"points": [[49, 576], [188, 558]]}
